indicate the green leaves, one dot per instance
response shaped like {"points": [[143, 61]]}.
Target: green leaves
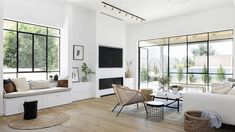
{"points": [[220, 75], [87, 70], [31, 55]]}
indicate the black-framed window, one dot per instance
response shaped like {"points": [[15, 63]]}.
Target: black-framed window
{"points": [[196, 59], [30, 50]]}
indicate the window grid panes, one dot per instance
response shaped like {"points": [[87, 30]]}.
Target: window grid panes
{"points": [[198, 59], [30, 50]]}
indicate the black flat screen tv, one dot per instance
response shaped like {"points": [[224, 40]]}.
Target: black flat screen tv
{"points": [[110, 57]]}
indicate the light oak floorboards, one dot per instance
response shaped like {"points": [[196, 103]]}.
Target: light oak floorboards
{"points": [[94, 115]]}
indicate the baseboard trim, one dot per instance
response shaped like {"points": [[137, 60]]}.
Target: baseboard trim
{"points": [[107, 95]]}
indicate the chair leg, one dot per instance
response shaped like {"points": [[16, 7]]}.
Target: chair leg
{"points": [[137, 105], [145, 109], [119, 111], [115, 107]]}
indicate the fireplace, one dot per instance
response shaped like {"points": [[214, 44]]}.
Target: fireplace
{"points": [[106, 83]]}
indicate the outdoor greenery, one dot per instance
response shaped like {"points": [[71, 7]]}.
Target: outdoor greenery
{"points": [[144, 74], [220, 75], [198, 65], [180, 74], [192, 78], [26, 49], [201, 50], [205, 76]]}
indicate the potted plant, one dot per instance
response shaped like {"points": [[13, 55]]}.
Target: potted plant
{"points": [[86, 70], [163, 81], [128, 71]]}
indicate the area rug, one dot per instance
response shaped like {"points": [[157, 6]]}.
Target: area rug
{"points": [[170, 115], [45, 119]]}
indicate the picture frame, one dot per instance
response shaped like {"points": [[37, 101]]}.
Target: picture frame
{"points": [[78, 52], [75, 74]]}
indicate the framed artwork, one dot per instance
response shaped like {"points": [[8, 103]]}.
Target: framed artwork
{"points": [[78, 52], [75, 74]]}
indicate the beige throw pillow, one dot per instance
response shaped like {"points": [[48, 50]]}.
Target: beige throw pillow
{"points": [[221, 88], [21, 84], [39, 84]]}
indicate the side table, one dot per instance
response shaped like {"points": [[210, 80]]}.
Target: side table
{"points": [[155, 110], [30, 109]]}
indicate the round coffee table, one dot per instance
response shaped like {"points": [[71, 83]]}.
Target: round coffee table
{"points": [[155, 110]]}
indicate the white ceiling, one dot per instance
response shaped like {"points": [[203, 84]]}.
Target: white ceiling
{"points": [[152, 9]]}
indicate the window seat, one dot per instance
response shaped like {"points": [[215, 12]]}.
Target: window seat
{"points": [[33, 92], [49, 97]]}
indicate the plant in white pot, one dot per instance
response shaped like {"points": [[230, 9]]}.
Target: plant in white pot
{"points": [[87, 71]]}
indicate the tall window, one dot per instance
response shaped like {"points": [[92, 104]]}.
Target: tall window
{"points": [[30, 51], [198, 59]]}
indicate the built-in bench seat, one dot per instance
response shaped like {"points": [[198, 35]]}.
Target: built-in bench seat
{"points": [[33, 92], [49, 97]]}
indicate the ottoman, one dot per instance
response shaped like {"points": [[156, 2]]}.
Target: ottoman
{"points": [[146, 92]]}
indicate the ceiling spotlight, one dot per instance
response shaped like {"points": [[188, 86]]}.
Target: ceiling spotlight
{"points": [[178, 1], [128, 14]]}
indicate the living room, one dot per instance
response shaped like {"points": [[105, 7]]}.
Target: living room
{"points": [[168, 59]]}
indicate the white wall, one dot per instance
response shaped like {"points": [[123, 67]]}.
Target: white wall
{"points": [[83, 33], [112, 33], [211, 20], [1, 58], [35, 11]]}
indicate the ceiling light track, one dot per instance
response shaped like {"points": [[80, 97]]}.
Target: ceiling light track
{"points": [[125, 12]]}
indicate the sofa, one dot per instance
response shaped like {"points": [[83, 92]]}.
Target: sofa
{"points": [[222, 104]]}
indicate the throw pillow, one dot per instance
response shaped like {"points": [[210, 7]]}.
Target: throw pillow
{"points": [[39, 84], [222, 88], [232, 91], [9, 86], [21, 84]]}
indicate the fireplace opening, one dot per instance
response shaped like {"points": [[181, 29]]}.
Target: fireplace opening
{"points": [[106, 83]]}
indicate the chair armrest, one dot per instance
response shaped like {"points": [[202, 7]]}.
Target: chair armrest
{"points": [[129, 95]]}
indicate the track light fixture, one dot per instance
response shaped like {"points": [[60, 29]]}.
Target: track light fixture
{"points": [[120, 11]]}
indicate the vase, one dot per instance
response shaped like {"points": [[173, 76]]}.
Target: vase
{"points": [[128, 74], [84, 79]]}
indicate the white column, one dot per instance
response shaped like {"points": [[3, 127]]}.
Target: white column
{"points": [[1, 57]]}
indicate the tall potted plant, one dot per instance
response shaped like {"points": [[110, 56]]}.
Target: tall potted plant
{"points": [[87, 71]]}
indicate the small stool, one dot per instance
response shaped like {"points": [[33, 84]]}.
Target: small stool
{"points": [[155, 110], [30, 109], [146, 92]]}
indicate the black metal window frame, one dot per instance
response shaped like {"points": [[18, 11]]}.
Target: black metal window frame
{"points": [[187, 43], [33, 34]]}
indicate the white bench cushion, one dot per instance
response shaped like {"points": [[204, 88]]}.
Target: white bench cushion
{"points": [[35, 92]]}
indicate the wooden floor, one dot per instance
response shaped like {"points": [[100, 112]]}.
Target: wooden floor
{"points": [[94, 115]]}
